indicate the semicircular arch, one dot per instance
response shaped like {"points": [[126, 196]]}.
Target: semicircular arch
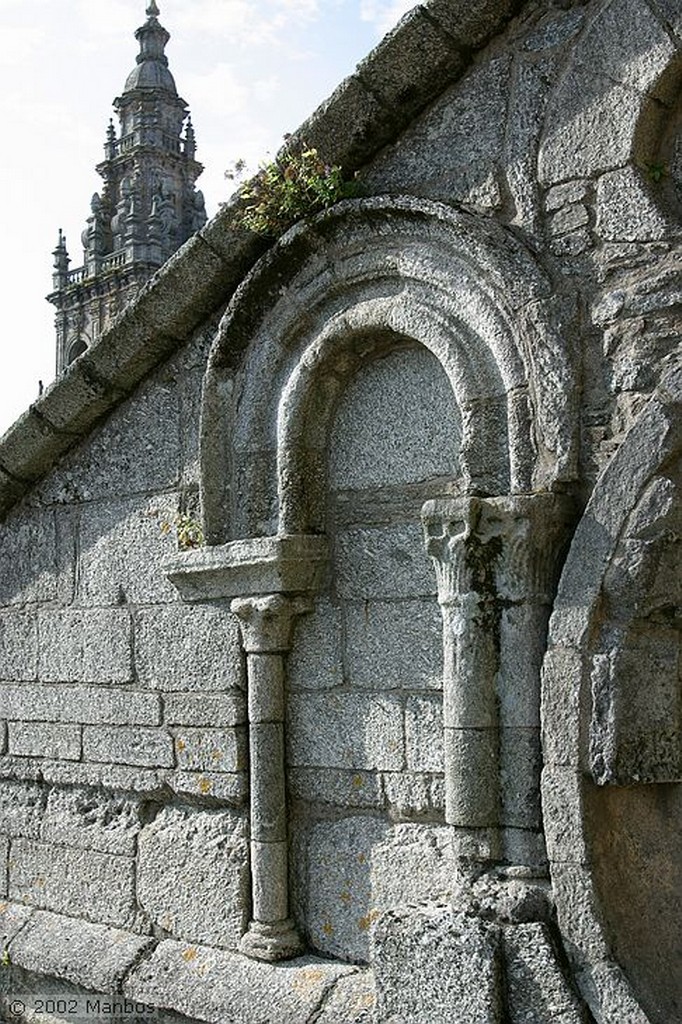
{"points": [[364, 275]]}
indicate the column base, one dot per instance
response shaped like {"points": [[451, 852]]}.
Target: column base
{"points": [[276, 941]]}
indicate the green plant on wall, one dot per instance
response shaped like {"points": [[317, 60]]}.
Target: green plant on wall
{"points": [[657, 172], [296, 184], [187, 529]]}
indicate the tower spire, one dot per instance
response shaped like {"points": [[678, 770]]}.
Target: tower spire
{"points": [[149, 204]]}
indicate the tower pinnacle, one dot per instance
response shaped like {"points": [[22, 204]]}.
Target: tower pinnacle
{"points": [[147, 208]]}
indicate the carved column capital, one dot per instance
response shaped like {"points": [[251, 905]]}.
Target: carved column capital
{"points": [[266, 621], [505, 547], [496, 562]]}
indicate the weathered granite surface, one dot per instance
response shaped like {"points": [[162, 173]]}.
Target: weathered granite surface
{"points": [[344, 724]]}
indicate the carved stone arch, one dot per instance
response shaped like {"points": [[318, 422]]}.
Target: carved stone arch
{"points": [[612, 729], [365, 274]]}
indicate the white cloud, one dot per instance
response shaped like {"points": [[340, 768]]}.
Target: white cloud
{"points": [[384, 14], [221, 90], [243, 23]]}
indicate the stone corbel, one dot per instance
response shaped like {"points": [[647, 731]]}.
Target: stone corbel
{"points": [[269, 582], [496, 563]]}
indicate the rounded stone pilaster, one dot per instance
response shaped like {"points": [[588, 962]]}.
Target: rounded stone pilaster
{"points": [[496, 562]]}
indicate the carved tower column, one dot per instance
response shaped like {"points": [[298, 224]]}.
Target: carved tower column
{"points": [[496, 561]]}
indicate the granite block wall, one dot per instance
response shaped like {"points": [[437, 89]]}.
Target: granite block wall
{"points": [[499, 314], [123, 775]]}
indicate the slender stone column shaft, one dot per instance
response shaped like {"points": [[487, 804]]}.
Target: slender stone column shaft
{"points": [[267, 627]]}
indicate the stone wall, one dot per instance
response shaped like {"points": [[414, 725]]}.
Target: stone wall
{"points": [[391, 424], [124, 774]]}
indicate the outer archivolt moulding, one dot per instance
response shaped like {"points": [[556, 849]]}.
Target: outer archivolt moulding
{"points": [[360, 278]]}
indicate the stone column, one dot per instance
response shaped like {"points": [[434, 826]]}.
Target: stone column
{"points": [[267, 627], [496, 561], [464, 563]]}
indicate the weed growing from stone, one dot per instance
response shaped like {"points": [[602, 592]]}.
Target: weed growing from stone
{"points": [[657, 172], [295, 185], [187, 530]]}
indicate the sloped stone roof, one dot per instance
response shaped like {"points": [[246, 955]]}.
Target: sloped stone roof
{"points": [[431, 47]]}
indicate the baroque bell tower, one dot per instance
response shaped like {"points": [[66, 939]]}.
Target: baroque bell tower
{"points": [[148, 205]]}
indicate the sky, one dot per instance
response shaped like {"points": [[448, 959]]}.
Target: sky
{"points": [[250, 70]]}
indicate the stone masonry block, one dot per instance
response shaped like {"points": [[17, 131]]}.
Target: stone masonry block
{"points": [[77, 401], [122, 545], [336, 891], [620, 60], [464, 132], [351, 1002], [397, 423], [242, 991], [18, 646], [580, 917], [359, 867], [410, 64], [13, 917], [211, 749], [456, 959], [80, 883], [563, 195], [184, 852], [472, 25], [151, 748], [149, 781], [414, 863], [394, 644], [315, 661], [45, 739], [332, 786], [3, 737], [136, 449], [29, 562], [90, 955], [4, 866], [231, 788], [563, 813], [91, 819], [345, 731], [88, 704], [21, 808], [212, 709], [350, 126], [88, 646], [626, 211], [383, 562], [413, 793], [537, 990], [195, 648], [424, 734]]}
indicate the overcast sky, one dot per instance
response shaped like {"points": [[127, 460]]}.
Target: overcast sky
{"points": [[250, 71]]}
